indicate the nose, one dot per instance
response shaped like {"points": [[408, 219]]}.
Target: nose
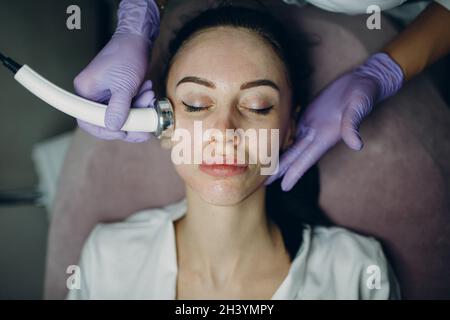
{"points": [[222, 131]]}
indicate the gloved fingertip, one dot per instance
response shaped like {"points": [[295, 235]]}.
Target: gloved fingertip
{"points": [[113, 122], [117, 110], [286, 185], [353, 140], [358, 145]]}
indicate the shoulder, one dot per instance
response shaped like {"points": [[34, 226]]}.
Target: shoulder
{"points": [[141, 223], [350, 265], [116, 252], [134, 233], [337, 241]]}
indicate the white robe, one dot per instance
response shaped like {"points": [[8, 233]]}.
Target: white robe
{"points": [[136, 259]]}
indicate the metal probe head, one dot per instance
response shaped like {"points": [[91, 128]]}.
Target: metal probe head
{"points": [[166, 119]]}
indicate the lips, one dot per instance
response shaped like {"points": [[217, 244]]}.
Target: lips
{"points": [[223, 170]]}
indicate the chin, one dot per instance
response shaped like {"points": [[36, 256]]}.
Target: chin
{"points": [[220, 190]]}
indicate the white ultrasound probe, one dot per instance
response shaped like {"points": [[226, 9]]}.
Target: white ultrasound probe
{"points": [[158, 120]]}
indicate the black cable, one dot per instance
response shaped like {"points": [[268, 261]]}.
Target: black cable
{"points": [[10, 63], [25, 196]]}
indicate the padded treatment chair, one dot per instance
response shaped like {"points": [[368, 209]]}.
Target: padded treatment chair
{"points": [[396, 188]]}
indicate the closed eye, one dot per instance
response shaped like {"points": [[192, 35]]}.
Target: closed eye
{"points": [[190, 108], [264, 111]]}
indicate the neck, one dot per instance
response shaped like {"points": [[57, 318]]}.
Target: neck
{"points": [[220, 241]]}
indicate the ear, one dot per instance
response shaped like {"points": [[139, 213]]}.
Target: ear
{"points": [[289, 139]]}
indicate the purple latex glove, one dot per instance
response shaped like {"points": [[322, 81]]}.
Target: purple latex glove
{"points": [[145, 98], [336, 114], [117, 72]]}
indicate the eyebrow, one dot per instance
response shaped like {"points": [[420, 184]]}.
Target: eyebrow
{"points": [[258, 83], [197, 80], [247, 85]]}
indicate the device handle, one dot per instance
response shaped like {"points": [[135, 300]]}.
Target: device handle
{"points": [[139, 119]]}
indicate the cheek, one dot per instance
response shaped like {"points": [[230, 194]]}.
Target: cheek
{"points": [[188, 133], [274, 131], [187, 173]]}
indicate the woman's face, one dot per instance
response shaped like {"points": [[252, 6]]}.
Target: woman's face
{"points": [[229, 78]]}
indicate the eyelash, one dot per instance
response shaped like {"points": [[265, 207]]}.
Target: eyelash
{"points": [[264, 111], [189, 108]]}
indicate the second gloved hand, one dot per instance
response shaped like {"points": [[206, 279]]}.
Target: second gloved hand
{"points": [[336, 113]]}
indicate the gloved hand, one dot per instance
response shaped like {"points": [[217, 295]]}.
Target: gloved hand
{"points": [[144, 99], [117, 72], [336, 114]]}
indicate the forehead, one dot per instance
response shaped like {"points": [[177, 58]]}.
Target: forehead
{"points": [[234, 55]]}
